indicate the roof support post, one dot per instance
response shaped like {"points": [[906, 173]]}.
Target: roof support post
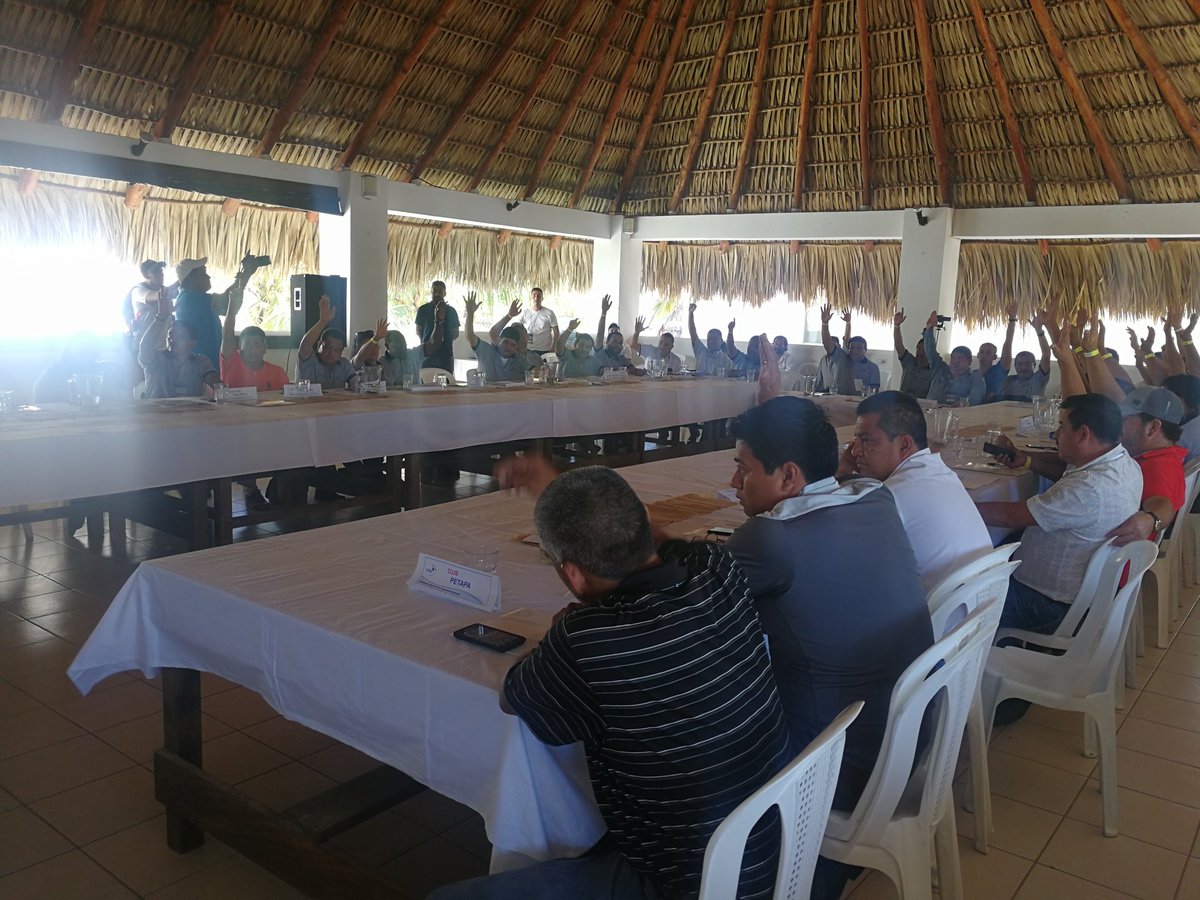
{"points": [[928, 273], [355, 245], [617, 270]]}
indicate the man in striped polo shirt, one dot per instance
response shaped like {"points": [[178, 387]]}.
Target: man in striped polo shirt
{"points": [[661, 671]]}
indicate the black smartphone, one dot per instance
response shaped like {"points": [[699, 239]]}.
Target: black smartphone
{"points": [[721, 532], [492, 638], [999, 452]]}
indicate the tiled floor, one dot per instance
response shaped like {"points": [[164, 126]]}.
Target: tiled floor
{"points": [[78, 818]]}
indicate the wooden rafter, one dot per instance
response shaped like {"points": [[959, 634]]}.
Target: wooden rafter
{"points": [[1074, 87], [864, 104], [316, 55], [760, 71], [68, 66], [805, 115], [1006, 106], [614, 106], [706, 102], [1166, 86], [937, 128], [481, 83], [192, 70], [392, 88], [543, 72], [654, 102], [568, 112]]}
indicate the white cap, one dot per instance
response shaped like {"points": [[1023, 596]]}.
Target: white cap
{"points": [[186, 267]]}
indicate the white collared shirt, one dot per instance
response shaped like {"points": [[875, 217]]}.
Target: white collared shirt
{"points": [[943, 524]]}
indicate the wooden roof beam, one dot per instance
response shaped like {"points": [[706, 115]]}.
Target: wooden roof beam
{"points": [[392, 88], [1166, 86], [1074, 87], [614, 106], [1006, 106], [760, 70], [316, 55], [192, 70], [581, 84], [480, 85], [706, 102], [805, 115], [654, 102], [72, 58], [864, 104], [543, 72], [937, 128]]}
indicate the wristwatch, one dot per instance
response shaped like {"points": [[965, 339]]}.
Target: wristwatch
{"points": [[1157, 521]]}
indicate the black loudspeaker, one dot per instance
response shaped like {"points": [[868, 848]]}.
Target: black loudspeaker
{"points": [[306, 298]]}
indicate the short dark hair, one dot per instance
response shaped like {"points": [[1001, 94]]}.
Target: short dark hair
{"points": [[511, 333], [790, 429], [592, 517], [899, 413], [667, 334], [333, 334], [1186, 388], [360, 338], [1100, 414], [538, 289], [965, 351], [251, 331], [858, 339], [1170, 430]]}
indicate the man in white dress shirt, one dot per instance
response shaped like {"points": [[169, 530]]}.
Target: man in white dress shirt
{"points": [[890, 445]]}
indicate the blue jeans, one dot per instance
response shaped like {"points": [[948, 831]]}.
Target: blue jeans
{"points": [[1031, 610], [597, 876]]}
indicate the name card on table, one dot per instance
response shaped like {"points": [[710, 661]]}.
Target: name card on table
{"points": [[450, 581], [241, 394], [295, 391]]}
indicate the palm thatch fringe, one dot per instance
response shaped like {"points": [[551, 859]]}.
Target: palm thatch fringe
{"points": [[846, 275], [477, 257], [1121, 279]]}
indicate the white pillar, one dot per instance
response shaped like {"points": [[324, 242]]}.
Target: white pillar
{"points": [[617, 270], [928, 273], [355, 246]]}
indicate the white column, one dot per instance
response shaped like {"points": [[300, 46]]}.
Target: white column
{"points": [[617, 270], [928, 273], [354, 245]]}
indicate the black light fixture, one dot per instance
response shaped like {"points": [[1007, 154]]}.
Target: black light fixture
{"points": [[922, 219], [511, 206]]}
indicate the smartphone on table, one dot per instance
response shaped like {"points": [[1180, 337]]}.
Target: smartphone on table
{"points": [[492, 638]]}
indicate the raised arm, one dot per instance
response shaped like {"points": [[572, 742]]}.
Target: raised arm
{"points": [[770, 378], [605, 306], [930, 337], [472, 305], [325, 313], [1068, 366], [1187, 349], [635, 343], [1100, 379], [697, 345], [514, 310], [846, 333], [1039, 329], [826, 337], [1006, 350], [228, 338], [379, 337], [730, 349], [897, 337], [560, 345], [1172, 362], [152, 339]]}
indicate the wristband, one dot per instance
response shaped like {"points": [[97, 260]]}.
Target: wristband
{"points": [[1107, 356], [1148, 356], [1077, 349], [1183, 343], [373, 340], [1088, 354], [1011, 319], [1028, 464]]}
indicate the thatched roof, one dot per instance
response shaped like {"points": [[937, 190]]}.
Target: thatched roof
{"points": [[647, 106]]}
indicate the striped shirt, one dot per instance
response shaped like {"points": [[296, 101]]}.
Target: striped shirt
{"points": [[668, 684]]}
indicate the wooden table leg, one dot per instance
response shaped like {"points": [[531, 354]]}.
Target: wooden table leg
{"points": [[413, 464], [182, 736], [394, 467], [222, 511], [542, 447]]}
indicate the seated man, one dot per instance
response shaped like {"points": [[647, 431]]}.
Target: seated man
{"points": [[1099, 489], [610, 356], [862, 370], [1187, 389], [710, 358], [371, 349], [833, 371], [941, 520], [916, 373], [578, 361], [664, 350], [994, 371], [1150, 433], [501, 362], [660, 670], [326, 367], [404, 360], [952, 383], [833, 576], [176, 371], [1029, 381], [244, 360]]}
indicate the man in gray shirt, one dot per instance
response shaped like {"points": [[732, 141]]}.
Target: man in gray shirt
{"points": [[710, 358], [502, 361], [176, 371], [952, 382], [319, 358]]}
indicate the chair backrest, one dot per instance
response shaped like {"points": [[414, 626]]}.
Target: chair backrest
{"points": [[945, 676], [941, 593], [969, 595], [803, 791], [1191, 482], [429, 374]]}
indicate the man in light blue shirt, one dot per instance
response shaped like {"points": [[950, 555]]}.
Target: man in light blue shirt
{"points": [[952, 382]]}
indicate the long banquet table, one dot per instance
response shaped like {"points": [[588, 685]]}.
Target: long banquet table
{"points": [[323, 625]]}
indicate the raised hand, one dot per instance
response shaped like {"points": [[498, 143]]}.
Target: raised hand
{"points": [[1038, 320], [1089, 337], [532, 473], [1134, 342], [1186, 333], [639, 324], [898, 319], [846, 317], [472, 303], [606, 303], [572, 325], [1012, 309], [932, 321], [514, 309], [325, 309], [381, 330], [691, 309], [1148, 343], [732, 324], [826, 313]]}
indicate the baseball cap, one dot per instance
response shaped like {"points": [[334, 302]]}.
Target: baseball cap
{"points": [[1153, 401], [149, 264], [186, 267]]}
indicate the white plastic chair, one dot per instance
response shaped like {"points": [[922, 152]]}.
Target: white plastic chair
{"points": [[429, 374], [1084, 677], [904, 805], [803, 791], [1166, 573], [980, 580]]}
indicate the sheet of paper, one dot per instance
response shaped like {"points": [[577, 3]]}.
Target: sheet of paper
{"points": [[449, 581], [242, 394]]}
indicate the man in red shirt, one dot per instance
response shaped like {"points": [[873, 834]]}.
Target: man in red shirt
{"points": [[1151, 429]]}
